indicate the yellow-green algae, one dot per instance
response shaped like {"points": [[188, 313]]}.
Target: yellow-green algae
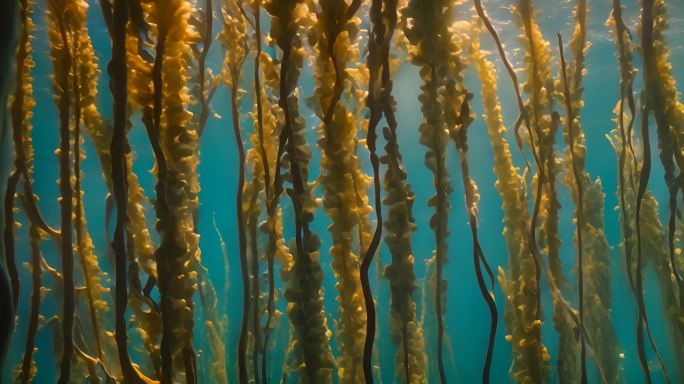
{"points": [[159, 74]]}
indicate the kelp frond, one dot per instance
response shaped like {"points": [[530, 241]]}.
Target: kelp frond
{"points": [[433, 50], [334, 39], [593, 250]]}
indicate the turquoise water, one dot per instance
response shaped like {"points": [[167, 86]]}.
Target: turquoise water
{"points": [[467, 318]]}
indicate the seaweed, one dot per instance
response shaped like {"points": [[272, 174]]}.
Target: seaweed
{"points": [[595, 298], [378, 46], [649, 100], [175, 143], [522, 320], [235, 39], [309, 350], [433, 50], [118, 77], [61, 59], [668, 110], [334, 39], [160, 73]]}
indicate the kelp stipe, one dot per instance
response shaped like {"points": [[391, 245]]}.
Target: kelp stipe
{"points": [[234, 36], [160, 76], [593, 252], [458, 122], [668, 111], [61, 56], [433, 51], [334, 41], [309, 349], [522, 250], [405, 327]]}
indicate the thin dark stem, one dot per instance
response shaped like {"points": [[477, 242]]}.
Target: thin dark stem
{"points": [[36, 283], [479, 258], [118, 78], [440, 208], [649, 63], [375, 105], [579, 212], [202, 63], [246, 298], [525, 118], [66, 210], [8, 235], [267, 189]]}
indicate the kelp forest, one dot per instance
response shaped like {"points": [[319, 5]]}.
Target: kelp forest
{"points": [[342, 191]]}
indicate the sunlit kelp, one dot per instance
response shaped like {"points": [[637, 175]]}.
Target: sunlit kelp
{"points": [[594, 288], [309, 349], [458, 120], [177, 187], [433, 51], [410, 358], [163, 87], [594, 291], [334, 38], [669, 116], [521, 320]]}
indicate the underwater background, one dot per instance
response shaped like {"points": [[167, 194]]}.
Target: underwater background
{"points": [[466, 316]]}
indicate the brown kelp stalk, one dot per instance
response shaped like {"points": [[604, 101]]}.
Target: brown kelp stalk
{"points": [[669, 116], [458, 122], [22, 104], [579, 212], [377, 96], [523, 321], [61, 58], [310, 349], [234, 37], [266, 175], [214, 323], [117, 84], [82, 49], [624, 54], [433, 51], [334, 39], [21, 114], [175, 145], [410, 358], [649, 100], [27, 363], [205, 95], [597, 329], [272, 142]]}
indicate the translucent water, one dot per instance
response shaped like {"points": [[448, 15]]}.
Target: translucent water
{"points": [[466, 317]]}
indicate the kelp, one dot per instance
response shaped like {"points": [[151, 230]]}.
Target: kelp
{"points": [[176, 153], [458, 120], [83, 100], [378, 80], [234, 37], [161, 74], [405, 329], [214, 327], [432, 49], [309, 351], [519, 315], [334, 39], [22, 104], [118, 80], [648, 101], [669, 116], [61, 60], [593, 251]]}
